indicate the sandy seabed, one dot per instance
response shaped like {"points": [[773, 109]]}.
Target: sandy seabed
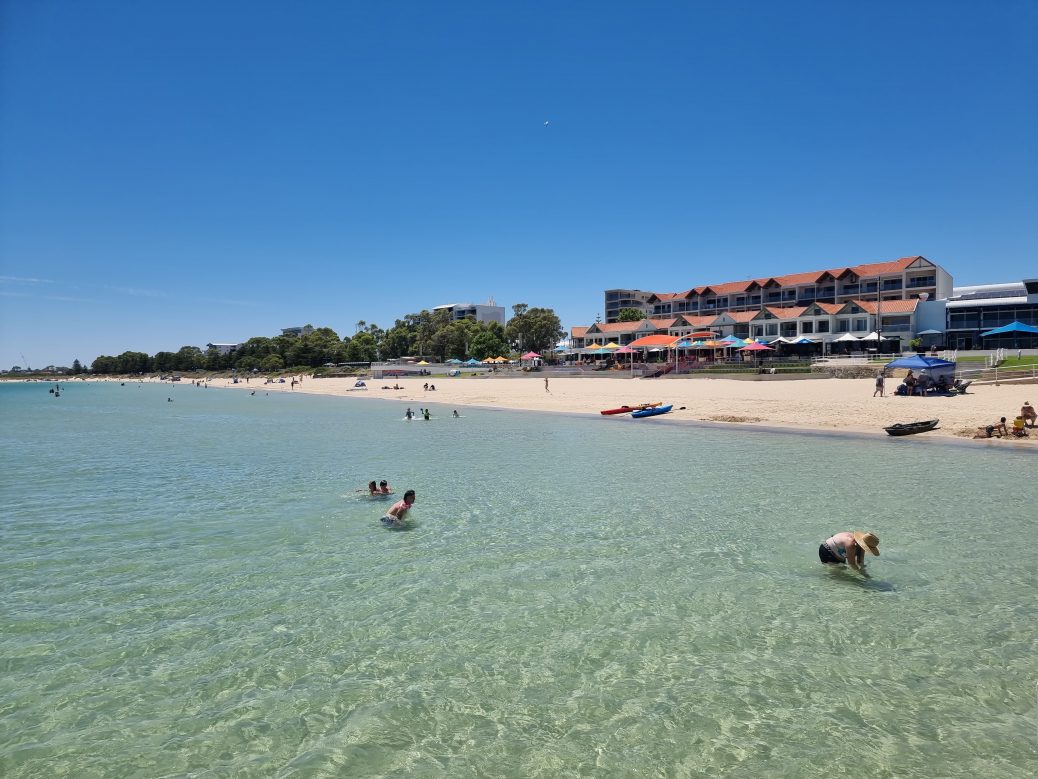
{"points": [[831, 405]]}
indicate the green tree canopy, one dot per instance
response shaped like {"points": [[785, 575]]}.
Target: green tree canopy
{"points": [[630, 315], [537, 329]]}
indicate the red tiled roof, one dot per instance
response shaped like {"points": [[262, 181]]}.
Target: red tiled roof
{"points": [[787, 312], [743, 316], [875, 268], [618, 327], [577, 332], [699, 321], [808, 277], [662, 323], [889, 306], [830, 308], [730, 286]]}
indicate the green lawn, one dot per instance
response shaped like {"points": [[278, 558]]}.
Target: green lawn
{"points": [[1010, 362]]}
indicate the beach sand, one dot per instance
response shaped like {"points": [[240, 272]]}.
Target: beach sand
{"points": [[832, 405]]}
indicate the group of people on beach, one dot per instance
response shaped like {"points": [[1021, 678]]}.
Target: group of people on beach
{"points": [[920, 385], [1027, 418]]}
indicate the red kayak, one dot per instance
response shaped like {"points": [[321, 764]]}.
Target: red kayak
{"points": [[629, 409]]}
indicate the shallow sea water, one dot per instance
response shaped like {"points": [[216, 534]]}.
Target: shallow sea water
{"points": [[194, 589]]}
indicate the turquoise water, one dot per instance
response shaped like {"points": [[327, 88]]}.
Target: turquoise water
{"points": [[195, 589]]}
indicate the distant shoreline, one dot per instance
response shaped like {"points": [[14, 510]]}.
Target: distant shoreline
{"points": [[825, 405]]}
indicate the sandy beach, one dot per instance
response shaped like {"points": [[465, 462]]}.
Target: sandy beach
{"points": [[832, 405]]}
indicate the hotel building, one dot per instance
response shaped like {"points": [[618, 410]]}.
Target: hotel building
{"points": [[818, 305]]}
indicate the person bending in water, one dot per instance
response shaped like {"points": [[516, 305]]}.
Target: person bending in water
{"points": [[384, 488], [397, 513], [849, 547], [372, 488]]}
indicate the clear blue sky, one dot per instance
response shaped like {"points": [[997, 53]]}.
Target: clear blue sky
{"points": [[178, 173]]}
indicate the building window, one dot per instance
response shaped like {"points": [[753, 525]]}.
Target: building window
{"points": [[807, 327], [823, 326], [843, 326], [861, 324], [771, 329]]}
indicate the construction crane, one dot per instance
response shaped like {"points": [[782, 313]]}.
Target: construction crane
{"points": [[27, 368]]}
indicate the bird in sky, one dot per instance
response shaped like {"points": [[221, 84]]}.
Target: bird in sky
{"points": [[546, 124]]}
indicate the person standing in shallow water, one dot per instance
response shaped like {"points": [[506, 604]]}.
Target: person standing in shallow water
{"points": [[397, 513], [849, 547]]}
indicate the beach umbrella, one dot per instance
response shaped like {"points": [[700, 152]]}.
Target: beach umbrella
{"points": [[530, 356], [756, 347], [472, 361], [611, 345], [930, 332], [422, 362], [454, 361], [847, 337]]}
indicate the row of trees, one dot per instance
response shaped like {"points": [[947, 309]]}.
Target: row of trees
{"points": [[435, 335]]}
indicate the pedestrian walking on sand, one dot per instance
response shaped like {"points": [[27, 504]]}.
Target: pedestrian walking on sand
{"points": [[879, 385], [546, 384]]}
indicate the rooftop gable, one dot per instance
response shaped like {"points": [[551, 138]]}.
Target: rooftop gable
{"points": [[785, 312]]}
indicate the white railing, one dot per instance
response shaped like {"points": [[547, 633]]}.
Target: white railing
{"points": [[998, 375]]}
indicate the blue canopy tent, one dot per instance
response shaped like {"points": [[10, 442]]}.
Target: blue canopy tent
{"points": [[918, 362], [472, 361], [932, 367], [1012, 327], [1015, 329]]}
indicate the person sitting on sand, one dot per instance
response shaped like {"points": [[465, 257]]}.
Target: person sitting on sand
{"points": [[396, 515], [1018, 427], [849, 547], [1028, 413], [384, 488]]}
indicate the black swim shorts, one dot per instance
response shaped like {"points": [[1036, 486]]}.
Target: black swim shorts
{"points": [[826, 555]]}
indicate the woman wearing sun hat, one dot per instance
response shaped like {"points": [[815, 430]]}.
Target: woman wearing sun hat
{"points": [[849, 547]]}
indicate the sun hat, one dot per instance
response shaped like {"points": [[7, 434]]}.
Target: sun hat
{"points": [[868, 541]]}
